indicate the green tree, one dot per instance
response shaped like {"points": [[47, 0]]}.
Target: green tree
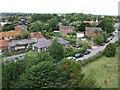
{"points": [[56, 50], [53, 23], [43, 75], [109, 27], [74, 72], [36, 27], [8, 27], [11, 73], [98, 39], [110, 50]]}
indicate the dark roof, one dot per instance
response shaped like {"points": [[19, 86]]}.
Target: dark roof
{"points": [[24, 41], [93, 29], [66, 27], [42, 43], [61, 41]]}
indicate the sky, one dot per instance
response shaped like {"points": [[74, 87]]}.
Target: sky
{"points": [[99, 7]]}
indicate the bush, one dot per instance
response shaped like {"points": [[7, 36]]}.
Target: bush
{"points": [[110, 50]]}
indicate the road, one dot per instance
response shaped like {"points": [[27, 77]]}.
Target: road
{"points": [[94, 51]]}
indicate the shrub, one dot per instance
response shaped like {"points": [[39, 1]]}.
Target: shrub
{"points": [[110, 50]]}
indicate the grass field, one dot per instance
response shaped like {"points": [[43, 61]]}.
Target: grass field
{"points": [[104, 69]]}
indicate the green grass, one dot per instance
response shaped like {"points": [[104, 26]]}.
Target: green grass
{"points": [[104, 69]]}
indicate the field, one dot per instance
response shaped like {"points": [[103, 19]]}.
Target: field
{"points": [[105, 71]]}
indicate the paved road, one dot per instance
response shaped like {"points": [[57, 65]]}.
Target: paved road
{"points": [[94, 51]]}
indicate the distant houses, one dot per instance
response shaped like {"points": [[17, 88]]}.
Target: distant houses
{"points": [[66, 29], [91, 31]]}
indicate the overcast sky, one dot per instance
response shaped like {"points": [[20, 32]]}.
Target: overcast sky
{"points": [[102, 7]]}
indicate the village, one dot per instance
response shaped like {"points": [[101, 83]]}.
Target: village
{"points": [[21, 39]]}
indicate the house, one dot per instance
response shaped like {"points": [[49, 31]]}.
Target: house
{"points": [[66, 29], [9, 35], [42, 45], [35, 35], [61, 41], [3, 45], [91, 31], [21, 27], [18, 28], [21, 44]]}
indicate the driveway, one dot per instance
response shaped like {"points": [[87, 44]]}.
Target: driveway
{"points": [[97, 49]]}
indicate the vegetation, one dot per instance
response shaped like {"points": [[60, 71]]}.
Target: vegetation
{"points": [[56, 50], [98, 39], [110, 50], [105, 70]]}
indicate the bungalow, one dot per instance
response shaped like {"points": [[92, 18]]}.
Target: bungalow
{"points": [[91, 31], [20, 44], [35, 35], [66, 29], [3, 45], [42, 45]]}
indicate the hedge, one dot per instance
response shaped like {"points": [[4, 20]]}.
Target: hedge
{"points": [[91, 59]]}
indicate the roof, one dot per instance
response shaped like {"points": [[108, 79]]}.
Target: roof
{"points": [[3, 43], [61, 41], [92, 29], [10, 33], [42, 43], [24, 41], [66, 27], [36, 35]]}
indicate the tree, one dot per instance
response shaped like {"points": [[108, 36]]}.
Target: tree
{"points": [[11, 73], [36, 27], [53, 23], [83, 26], [45, 74], [74, 72], [56, 50], [8, 27], [110, 50], [98, 39], [75, 76], [109, 27]]}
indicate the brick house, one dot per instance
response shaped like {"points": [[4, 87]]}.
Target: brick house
{"points": [[91, 31], [66, 29]]}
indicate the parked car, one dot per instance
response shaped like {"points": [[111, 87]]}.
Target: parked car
{"points": [[73, 58], [87, 52], [78, 55], [102, 44]]}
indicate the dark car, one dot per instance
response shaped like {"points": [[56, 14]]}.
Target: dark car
{"points": [[102, 44], [87, 52], [78, 55]]}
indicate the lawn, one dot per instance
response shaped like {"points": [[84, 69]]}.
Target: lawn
{"points": [[104, 69]]}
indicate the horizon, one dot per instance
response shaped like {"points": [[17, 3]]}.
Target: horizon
{"points": [[103, 7]]}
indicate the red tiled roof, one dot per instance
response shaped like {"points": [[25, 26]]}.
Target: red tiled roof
{"points": [[10, 33], [36, 35]]}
